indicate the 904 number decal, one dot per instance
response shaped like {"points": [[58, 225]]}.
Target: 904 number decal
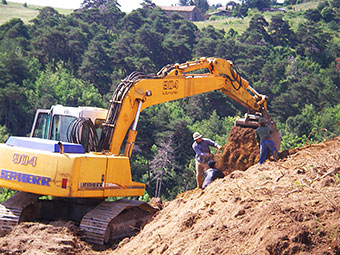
{"points": [[24, 159]]}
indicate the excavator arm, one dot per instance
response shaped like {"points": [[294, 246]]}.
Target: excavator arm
{"points": [[139, 91]]}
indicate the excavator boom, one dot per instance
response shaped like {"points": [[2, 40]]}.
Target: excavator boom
{"points": [[139, 91]]}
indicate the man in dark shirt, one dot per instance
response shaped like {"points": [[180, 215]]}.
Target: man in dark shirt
{"points": [[262, 135], [211, 174]]}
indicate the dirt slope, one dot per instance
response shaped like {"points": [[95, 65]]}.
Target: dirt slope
{"points": [[285, 207]]}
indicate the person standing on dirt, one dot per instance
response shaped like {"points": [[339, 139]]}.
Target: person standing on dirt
{"points": [[262, 135], [211, 174], [203, 155]]}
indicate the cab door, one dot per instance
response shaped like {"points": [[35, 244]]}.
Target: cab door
{"points": [[41, 124]]}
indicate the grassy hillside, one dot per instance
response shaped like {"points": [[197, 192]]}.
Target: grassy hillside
{"points": [[293, 14], [17, 10]]}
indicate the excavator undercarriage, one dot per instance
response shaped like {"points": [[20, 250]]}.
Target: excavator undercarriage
{"points": [[101, 221]]}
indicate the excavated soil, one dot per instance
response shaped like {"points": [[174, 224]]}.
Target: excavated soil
{"points": [[58, 237], [241, 151], [286, 207]]}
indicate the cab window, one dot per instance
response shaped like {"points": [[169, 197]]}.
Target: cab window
{"points": [[99, 126], [41, 126], [61, 126]]}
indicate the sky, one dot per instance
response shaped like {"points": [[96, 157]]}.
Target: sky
{"points": [[126, 5]]}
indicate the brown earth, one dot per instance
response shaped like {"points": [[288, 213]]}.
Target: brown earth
{"points": [[286, 207], [241, 151]]}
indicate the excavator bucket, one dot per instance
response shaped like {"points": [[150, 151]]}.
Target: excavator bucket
{"points": [[252, 121], [249, 120]]}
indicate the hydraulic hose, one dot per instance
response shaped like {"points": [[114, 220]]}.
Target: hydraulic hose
{"points": [[82, 131]]}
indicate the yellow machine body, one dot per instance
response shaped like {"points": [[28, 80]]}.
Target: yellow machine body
{"points": [[66, 174]]}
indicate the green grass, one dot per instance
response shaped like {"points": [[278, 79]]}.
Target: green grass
{"points": [[294, 15], [239, 25], [306, 6], [17, 10]]}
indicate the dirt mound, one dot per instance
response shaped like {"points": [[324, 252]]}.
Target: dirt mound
{"points": [[284, 207], [36, 238], [240, 152]]}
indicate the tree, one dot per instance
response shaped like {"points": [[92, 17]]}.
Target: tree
{"points": [[280, 32], [259, 4], [179, 40], [14, 67], [148, 4], [312, 42], [76, 45], [16, 71], [99, 4], [60, 87], [47, 16], [14, 29], [329, 119], [203, 5], [108, 17], [302, 124], [335, 3], [162, 164], [240, 11], [133, 20], [4, 134], [313, 15], [209, 42], [13, 102], [97, 65], [328, 14], [51, 47], [256, 33], [186, 2], [148, 43]]}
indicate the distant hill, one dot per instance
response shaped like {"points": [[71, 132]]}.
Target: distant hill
{"points": [[240, 25], [17, 10]]}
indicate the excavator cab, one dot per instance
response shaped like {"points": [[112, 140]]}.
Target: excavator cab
{"points": [[50, 163], [59, 122]]}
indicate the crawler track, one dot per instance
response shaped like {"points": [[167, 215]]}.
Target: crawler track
{"points": [[15, 209], [113, 220], [106, 222]]}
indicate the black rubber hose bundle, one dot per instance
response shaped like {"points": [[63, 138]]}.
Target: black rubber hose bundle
{"points": [[82, 131]]}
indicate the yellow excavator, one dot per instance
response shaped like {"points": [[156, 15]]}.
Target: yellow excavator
{"points": [[73, 159]]}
